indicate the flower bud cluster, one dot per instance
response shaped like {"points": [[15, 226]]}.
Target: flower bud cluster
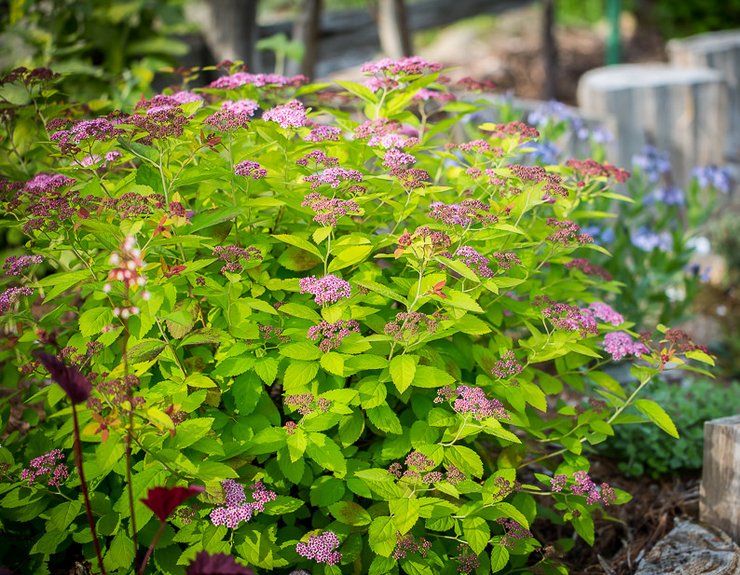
{"points": [[334, 177], [332, 334], [323, 134], [319, 158], [567, 317], [16, 265], [462, 214], [290, 115], [232, 256], [306, 403], [326, 290], [406, 544], [128, 265], [583, 485], [473, 401], [11, 295], [508, 366], [249, 169], [620, 344], [408, 325], [51, 464], [259, 80], [329, 210], [514, 532], [589, 269], [467, 560], [321, 548], [232, 115], [475, 261], [567, 232], [235, 511]]}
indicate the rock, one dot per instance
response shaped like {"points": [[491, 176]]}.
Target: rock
{"points": [[692, 549]]}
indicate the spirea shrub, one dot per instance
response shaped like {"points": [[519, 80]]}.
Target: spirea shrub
{"points": [[316, 329]]}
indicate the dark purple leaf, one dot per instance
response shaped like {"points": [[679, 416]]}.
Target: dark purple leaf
{"points": [[217, 564], [163, 500], [70, 379]]}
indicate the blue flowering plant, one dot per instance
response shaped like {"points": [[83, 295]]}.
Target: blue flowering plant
{"points": [[278, 329]]}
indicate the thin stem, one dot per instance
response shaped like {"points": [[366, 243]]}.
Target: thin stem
{"points": [[149, 551], [129, 441], [83, 483]]}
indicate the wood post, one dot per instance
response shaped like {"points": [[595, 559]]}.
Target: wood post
{"points": [[306, 30], [549, 50], [395, 39], [719, 504], [230, 29]]}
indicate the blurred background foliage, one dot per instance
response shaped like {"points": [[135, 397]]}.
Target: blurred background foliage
{"points": [[106, 50]]}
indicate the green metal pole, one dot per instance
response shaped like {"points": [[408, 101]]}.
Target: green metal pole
{"points": [[612, 48]]}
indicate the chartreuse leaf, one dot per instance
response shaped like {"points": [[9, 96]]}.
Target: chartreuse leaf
{"points": [[465, 459], [431, 377], [64, 514], [384, 419], [382, 536], [405, 512], [299, 243], [583, 523], [657, 415], [94, 320], [380, 482], [403, 370], [60, 282], [326, 453], [476, 532], [350, 513], [326, 490], [499, 557], [298, 374]]}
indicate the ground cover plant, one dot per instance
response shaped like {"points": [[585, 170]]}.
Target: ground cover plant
{"points": [[304, 329]]}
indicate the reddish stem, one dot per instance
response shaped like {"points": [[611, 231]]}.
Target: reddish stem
{"points": [[83, 483], [151, 547]]}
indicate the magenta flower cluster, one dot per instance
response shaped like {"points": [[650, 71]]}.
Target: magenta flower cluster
{"points": [[411, 65], [507, 366], [290, 115], [306, 403], [236, 511], [329, 210], [16, 265], [567, 232], [620, 344], [514, 532], [406, 544], [471, 400], [232, 115], [232, 255], [321, 133], [249, 169], [259, 80], [475, 261], [319, 157], [321, 548], [11, 295], [51, 465], [332, 334], [583, 485], [395, 158], [571, 318], [333, 177], [326, 290], [605, 313], [462, 214]]}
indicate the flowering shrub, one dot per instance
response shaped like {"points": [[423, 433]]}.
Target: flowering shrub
{"points": [[316, 295]]}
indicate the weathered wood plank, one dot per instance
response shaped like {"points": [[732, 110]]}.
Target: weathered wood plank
{"points": [[393, 30], [719, 503]]}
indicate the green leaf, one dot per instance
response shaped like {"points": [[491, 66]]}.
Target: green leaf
{"points": [[63, 515], [266, 368], [607, 382], [299, 374], [350, 513], [326, 453], [385, 419], [299, 243], [283, 505], [465, 459], [431, 377], [657, 415], [583, 523], [477, 533], [199, 380], [94, 320], [190, 431], [359, 90], [145, 350], [301, 350], [62, 281], [301, 311], [380, 482], [382, 536], [333, 362], [120, 552], [699, 355], [349, 256], [246, 390], [405, 512], [382, 290], [403, 370], [48, 543], [499, 558], [326, 490]]}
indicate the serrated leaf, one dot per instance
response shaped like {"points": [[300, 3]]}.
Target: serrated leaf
{"points": [[499, 558], [477, 533], [384, 419], [405, 512], [93, 321], [350, 513], [349, 256], [657, 415], [465, 459], [299, 374], [326, 453], [333, 362], [299, 243], [403, 370], [431, 377], [382, 536], [266, 368]]}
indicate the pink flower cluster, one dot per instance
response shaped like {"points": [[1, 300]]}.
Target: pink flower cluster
{"points": [[473, 401], [588, 268], [507, 366], [605, 313], [467, 560], [232, 255], [333, 177], [49, 464], [249, 169], [323, 133], [514, 532], [567, 232], [101, 129], [236, 510], [620, 344], [46, 183], [475, 261], [328, 289], [306, 403], [462, 214], [411, 65], [329, 210], [332, 334], [15, 265], [408, 325], [290, 115], [569, 317], [319, 157], [385, 133], [395, 158], [232, 115], [128, 263], [260, 80], [11, 295], [406, 544], [584, 485], [162, 101], [321, 548]]}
